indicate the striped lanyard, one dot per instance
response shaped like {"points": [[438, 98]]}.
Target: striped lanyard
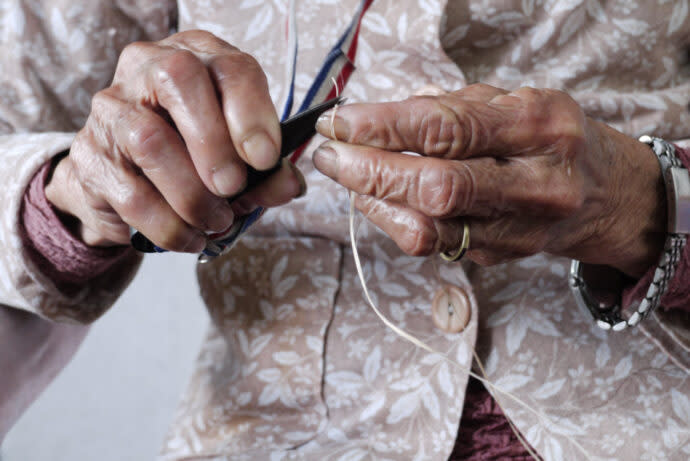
{"points": [[333, 75]]}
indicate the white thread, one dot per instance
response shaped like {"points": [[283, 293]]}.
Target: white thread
{"points": [[421, 344], [337, 95], [417, 342]]}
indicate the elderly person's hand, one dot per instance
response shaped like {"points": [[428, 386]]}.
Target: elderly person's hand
{"points": [[527, 170], [169, 141]]}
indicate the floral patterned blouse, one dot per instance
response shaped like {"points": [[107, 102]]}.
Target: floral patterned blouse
{"points": [[296, 366]]}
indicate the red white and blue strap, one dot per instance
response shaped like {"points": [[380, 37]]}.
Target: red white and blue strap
{"points": [[291, 63], [337, 68], [333, 76]]}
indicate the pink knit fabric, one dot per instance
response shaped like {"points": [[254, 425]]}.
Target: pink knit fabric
{"points": [[67, 260], [485, 434]]}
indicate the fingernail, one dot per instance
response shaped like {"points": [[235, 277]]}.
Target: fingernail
{"points": [[300, 178], [229, 180], [326, 160], [221, 218], [329, 126], [260, 150]]}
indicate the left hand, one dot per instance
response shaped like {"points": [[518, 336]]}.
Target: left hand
{"points": [[527, 170]]}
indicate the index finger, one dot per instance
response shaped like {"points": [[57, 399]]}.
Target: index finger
{"points": [[246, 103], [479, 120], [427, 125], [227, 118]]}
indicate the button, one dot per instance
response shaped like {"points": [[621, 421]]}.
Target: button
{"points": [[450, 309]]}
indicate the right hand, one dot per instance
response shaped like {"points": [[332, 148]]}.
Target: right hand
{"points": [[169, 141]]}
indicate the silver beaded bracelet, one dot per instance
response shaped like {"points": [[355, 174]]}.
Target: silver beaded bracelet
{"points": [[677, 182]]}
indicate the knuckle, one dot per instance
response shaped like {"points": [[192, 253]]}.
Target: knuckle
{"points": [[419, 240], [146, 137], [532, 119], [196, 35], [177, 67], [128, 204], [528, 93], [381, 131], [443, 133], [103, 99], [567, 114], [570, 129], [469, 134], [229, 66], [128, 200], [481, 88], [131, 54], [534, 112], [378, 178], [566, 200], [555, 115], [200, 40], [440, 188]]}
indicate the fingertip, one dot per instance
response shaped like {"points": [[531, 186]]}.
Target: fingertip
{"points": [[323, 124], [280, 188], [302, 183], [325, 160], [288, 184], [332, 125], [260, 150], [230, 179]]}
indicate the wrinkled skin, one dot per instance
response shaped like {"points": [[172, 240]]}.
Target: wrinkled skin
{"points": [[169, 141], [526, 169]]}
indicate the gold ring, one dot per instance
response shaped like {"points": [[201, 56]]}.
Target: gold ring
{"points": [[460, 252]]}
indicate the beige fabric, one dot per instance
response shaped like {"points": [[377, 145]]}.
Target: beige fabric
{"points": [[53, 56], [296, 365]]}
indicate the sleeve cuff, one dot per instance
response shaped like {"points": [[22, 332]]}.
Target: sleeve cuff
{"points": [[61, 256]]}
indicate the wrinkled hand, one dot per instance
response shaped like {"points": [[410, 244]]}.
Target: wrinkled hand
{"points": [[527, 170], [169, 141]]}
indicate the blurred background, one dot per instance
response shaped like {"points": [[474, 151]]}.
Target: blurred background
{"points": [[116, 398]]}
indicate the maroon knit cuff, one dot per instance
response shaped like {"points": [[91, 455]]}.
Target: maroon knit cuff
{"points": [[677, 294], [61, 256], [485, 433]]}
